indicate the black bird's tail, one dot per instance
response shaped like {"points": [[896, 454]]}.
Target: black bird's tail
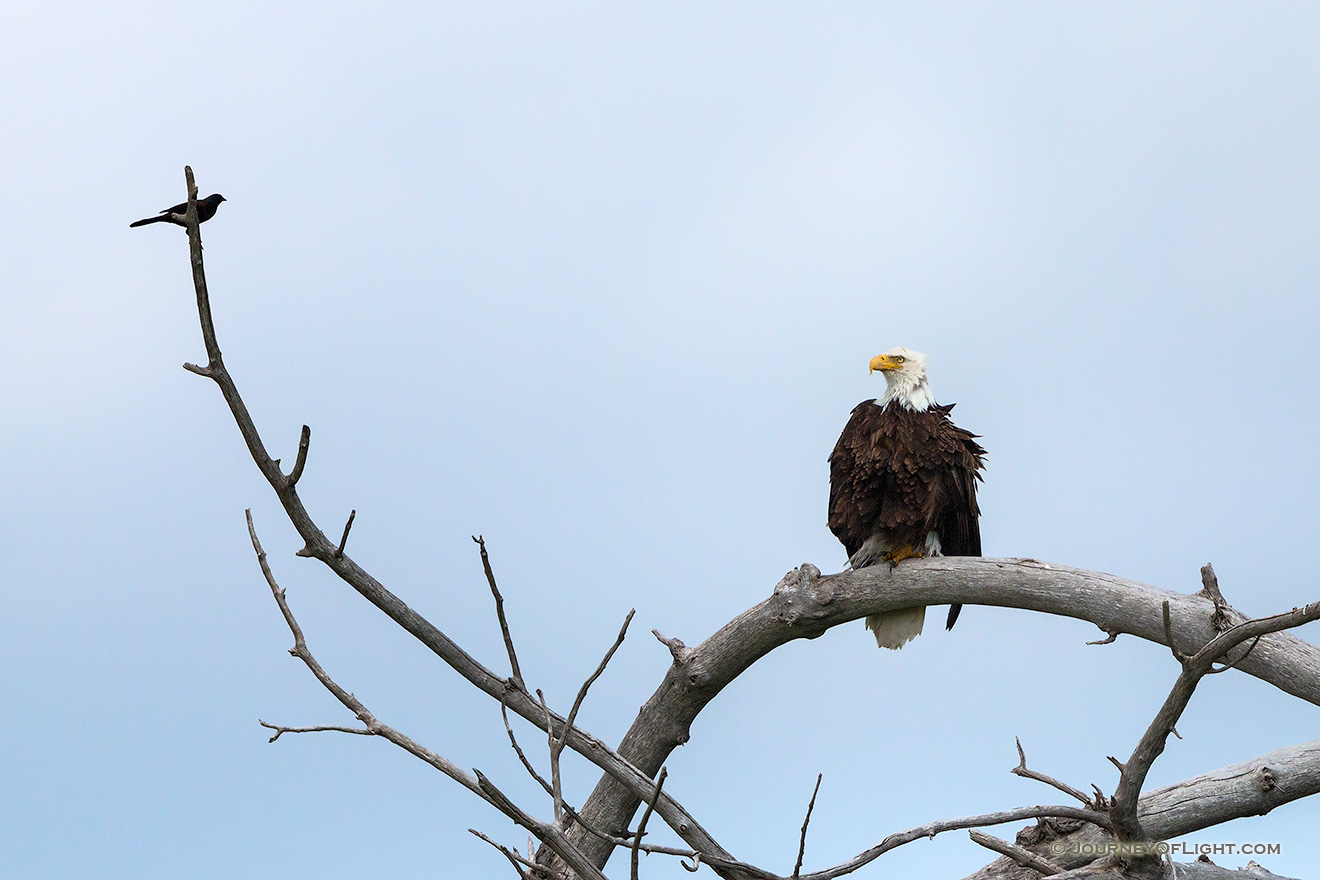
{"points": [[161, 219], [953, 615]]}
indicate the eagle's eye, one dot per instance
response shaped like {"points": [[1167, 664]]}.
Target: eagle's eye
{"points": [[899, 358]]}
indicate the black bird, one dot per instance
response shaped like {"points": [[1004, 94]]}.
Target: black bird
{"points": [[205, 211]]}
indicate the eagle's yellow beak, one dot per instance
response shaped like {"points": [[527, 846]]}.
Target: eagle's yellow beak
{"points": [[884, 363]]}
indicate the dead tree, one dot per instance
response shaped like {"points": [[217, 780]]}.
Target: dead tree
{"points": [[1109, 836]]}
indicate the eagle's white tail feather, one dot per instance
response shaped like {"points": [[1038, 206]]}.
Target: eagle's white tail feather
{"points": [[896, 628]]}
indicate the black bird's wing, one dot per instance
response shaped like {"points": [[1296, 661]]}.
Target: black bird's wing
{"points": [[205, 211]]}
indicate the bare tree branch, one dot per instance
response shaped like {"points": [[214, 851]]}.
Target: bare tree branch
{"points": [[586, 685], [304, 443], [1168, 637], [280, 730], [1024, 857], [1108, 640], [478, 784], [1250, 788], [805, 604], [646, 816], [549, 789], [802, 839], [514, 858], [556, 788], [515, 674], [1021, 770], [1124, 806], [930, 829], [1210, 589], [317, 546], [513, 741], [339, 551]]}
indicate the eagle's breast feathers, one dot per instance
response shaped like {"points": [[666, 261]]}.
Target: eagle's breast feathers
{"points": [[903, 475]]}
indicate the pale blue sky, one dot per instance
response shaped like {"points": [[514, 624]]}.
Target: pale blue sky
{"points": [[601, 282]]}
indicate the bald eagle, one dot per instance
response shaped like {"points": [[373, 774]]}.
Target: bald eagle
{"points": [[903, 484]]}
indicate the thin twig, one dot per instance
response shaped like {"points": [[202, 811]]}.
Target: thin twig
{"points": [[582, 691], [1024, 857], [515, 674], [802, 839], [1233, 665], [646, 816], [304, 443], [557, 743], [339, 553], [679, 651], [1021, 770], [280, 730], [549, 789], [513, 740], [556, 788], [514, 858], [1108, 640]]}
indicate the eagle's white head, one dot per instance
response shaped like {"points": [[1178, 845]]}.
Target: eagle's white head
{"points": [[905, 379]]}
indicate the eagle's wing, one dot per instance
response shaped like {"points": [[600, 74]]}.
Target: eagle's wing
{"points": [[959, 528], [857, 467]]}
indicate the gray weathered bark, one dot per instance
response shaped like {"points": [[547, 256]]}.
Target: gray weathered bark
{"points": [[805, 604], [1251, 788]]}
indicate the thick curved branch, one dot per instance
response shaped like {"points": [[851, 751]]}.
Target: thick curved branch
{"points": [[805, 604]]}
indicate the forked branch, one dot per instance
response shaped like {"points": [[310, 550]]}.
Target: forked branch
{"points": [[478, 784], [1134, 770]]}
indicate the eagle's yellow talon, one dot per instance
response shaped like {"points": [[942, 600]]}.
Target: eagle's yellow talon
{"points": [[894, 557]]}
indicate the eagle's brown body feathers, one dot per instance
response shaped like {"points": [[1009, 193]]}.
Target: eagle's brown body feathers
{"points": [[904, 479]]}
